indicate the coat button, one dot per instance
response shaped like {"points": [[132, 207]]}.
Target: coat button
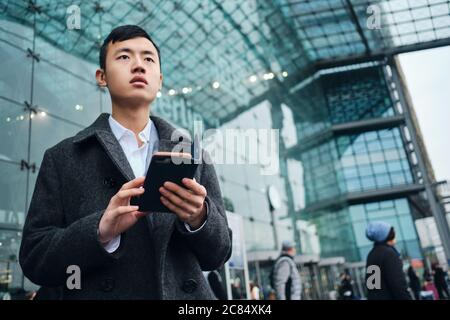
{"points": [[189, 286], [107, 284]]}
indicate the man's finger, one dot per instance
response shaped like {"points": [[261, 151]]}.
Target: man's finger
{"points": [[177, 201], [133, 183], [125, 209], [182, 192], [124, 194], [179, 212], [195, 187], [139, 214]]}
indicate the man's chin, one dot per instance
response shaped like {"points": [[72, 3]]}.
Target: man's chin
{"points": [[136, 99]]}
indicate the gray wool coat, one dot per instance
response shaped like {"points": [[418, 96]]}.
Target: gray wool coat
{"points": [[157, 258]]}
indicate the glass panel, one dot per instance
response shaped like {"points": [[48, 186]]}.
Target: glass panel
{"points": [[357, 212], [12, 217], [356, 95], [402, 206], [238, 196], [364, 251], [10, 272], [12, 195], [234, 173], [259, 205], [285, 230], [360, 234], [408, 229], [64, 83], [381, 213], [376, 169], [258, 235], [46, 132], [15, 80], [336, 234], [59, 92], [413, 249], [14, 124], [254, 178]]}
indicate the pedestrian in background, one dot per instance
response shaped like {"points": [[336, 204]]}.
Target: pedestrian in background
{"points": [[440, 281], [285, 277], [414, 281], [387, 259], [346, 288]]}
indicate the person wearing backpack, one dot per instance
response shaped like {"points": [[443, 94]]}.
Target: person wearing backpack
{"points": [[285, 278]]}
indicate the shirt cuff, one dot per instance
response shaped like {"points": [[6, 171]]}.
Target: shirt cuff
{"points": [[112, 245], [188, 227]]}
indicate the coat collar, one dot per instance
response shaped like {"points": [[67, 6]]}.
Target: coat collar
{"points": [[169, 138]]}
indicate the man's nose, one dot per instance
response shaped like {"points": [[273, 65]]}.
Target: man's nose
{"points": [[138, 66]]}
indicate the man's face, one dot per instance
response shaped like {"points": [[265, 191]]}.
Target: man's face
{"points": [[132, 72], [392, 242], [292, 251]]}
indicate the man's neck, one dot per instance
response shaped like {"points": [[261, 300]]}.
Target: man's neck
{"points": [[134, 118]]}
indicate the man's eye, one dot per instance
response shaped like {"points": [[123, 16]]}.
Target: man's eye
{"points": [[149, 59], [123, 57]]}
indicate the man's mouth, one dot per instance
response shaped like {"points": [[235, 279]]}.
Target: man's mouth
{"points": [[139, 81]]}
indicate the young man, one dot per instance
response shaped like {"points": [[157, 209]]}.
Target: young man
{"points": [[80, 214]]}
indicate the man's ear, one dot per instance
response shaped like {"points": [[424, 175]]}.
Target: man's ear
{"points": [[160, 80], [100, 76]]}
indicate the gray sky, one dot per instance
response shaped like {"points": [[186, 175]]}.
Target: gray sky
{"points": [[428, 78]]}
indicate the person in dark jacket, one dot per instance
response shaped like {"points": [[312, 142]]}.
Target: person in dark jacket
{"points": [[440, 281], [414, 282], [385, 279], [346, 287], [82, 239], [217, 285]]}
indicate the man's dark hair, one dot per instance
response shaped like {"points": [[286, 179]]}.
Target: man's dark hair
{"points": [[123, 33]]}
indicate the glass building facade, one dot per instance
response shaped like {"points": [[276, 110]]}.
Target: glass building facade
{"points": [[344, 157], [349, 149]]}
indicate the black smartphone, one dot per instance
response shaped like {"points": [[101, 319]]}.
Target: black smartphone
{"points": [[164, 166]]}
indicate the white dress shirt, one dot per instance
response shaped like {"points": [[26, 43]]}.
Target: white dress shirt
{"points": [[137, 158]]}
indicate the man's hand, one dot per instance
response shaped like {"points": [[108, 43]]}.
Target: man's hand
{"points": [[119, 216], [187, 203]]}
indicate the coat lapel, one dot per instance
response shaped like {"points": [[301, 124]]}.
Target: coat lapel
{"points": [[115, 152], [102, 131], [170, 138]]}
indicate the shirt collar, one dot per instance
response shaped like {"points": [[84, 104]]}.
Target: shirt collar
{"points": [[119, 130]]}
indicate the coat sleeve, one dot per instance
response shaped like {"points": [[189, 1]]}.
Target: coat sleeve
{"points": [[48, 245], [395, 277], [212, 243]]}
